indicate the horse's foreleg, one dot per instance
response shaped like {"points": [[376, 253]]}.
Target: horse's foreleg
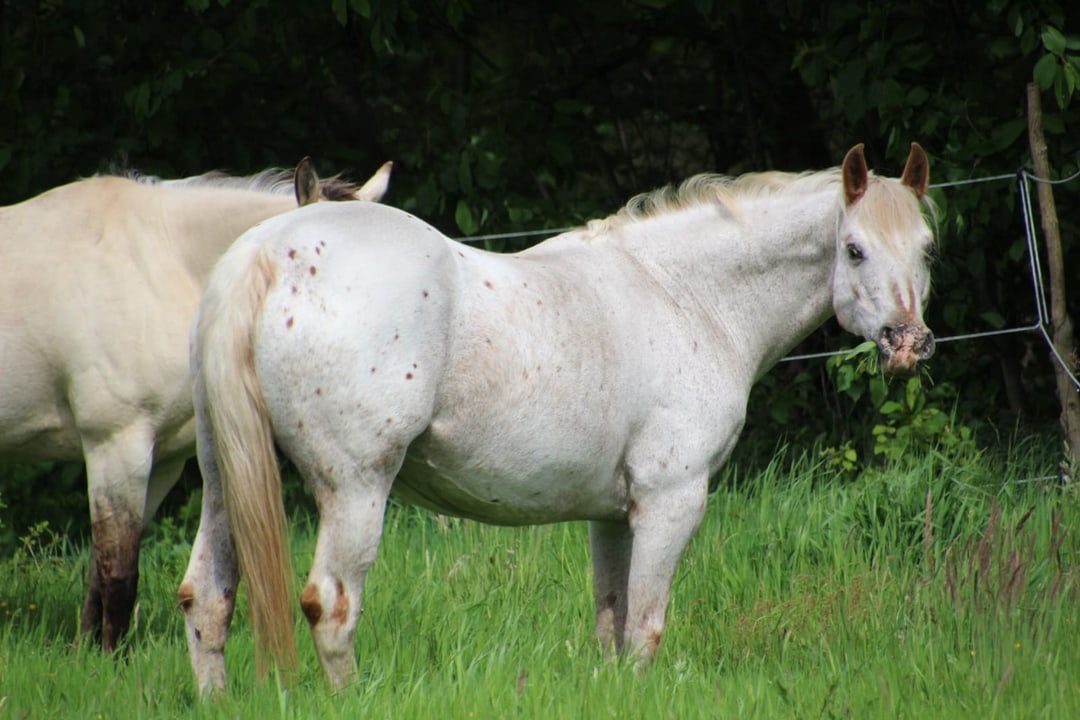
{"points": [[610, 544], [208, 592], [117, 474], [350, 528], [662, 524], [114, 573]]}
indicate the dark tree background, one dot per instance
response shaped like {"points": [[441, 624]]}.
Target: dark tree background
{"points": [[517, 116]]}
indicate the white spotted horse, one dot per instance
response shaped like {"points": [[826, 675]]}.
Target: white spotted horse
{"points": [[602, 375]]}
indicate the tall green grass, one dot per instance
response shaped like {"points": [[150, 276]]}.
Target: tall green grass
{"points": [[943, 588]]}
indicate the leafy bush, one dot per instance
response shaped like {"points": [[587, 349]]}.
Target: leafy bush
{"points": [[908, 416]]}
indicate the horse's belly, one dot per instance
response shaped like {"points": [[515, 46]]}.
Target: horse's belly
{"points": [[510, 495]]}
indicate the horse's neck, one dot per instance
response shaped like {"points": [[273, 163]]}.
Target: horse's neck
{"points": [[204, 222], [763, 282]]}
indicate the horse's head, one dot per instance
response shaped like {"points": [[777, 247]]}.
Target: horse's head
{"points": [[882, 279], [311, 189]]}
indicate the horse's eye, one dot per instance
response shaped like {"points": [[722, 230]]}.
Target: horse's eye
{"points": [[854, 253]]}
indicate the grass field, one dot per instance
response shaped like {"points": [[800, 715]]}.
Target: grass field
{"points": [[940, 589]]}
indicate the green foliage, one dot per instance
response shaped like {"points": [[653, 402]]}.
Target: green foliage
{"points": [[1059, 67], [911, 416], [916, 421], [49, 493]]}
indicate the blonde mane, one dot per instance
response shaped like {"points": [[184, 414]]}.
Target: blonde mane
{"points": [[725, 191], [888, 206]]}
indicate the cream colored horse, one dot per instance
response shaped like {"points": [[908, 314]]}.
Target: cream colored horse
{"points": [[99, 284], [602, 375]]}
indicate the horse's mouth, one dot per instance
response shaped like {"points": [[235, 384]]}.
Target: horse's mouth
{"points": [[903, 347]]}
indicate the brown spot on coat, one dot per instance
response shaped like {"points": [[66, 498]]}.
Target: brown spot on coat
{"points": [[488, 285], [292, 254], [652, 643], [289, 322], [310, 604], [312, 270], [341, 605], [186, 595]]}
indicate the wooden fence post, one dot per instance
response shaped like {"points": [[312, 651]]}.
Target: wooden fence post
{"points": [[1061, 325]]}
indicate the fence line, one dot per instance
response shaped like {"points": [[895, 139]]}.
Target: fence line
{"points": [[1036, 269], [1023, 179]]}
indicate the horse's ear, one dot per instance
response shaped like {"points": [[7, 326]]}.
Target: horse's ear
{"points": [[855, 174], [917, 170], [376, 186], [306, 182]]}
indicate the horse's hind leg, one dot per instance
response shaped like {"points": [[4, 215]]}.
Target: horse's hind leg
{"points": [[610, 544], [208, 592], [350, 528]]}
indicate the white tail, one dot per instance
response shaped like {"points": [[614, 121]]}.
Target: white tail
{"points": [[244, 443]]}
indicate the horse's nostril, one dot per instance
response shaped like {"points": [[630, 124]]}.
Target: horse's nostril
{"points": [[926, 348], [888, 335]]}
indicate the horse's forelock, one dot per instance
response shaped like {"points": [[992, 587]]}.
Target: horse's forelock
{"points": [[890, 205]]}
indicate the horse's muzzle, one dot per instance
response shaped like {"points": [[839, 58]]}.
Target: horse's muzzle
{"points": [[903, 347]]}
